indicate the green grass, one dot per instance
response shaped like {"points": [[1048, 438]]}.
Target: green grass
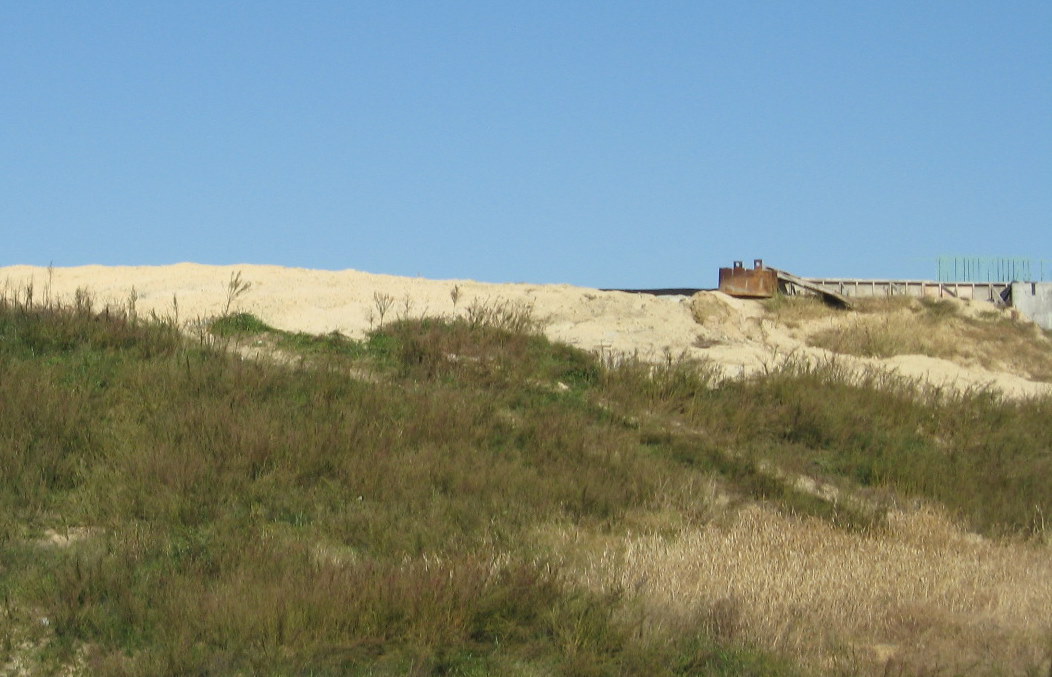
{"points": [[262, 518], [269, 519], [986, 458], [239, 324]]}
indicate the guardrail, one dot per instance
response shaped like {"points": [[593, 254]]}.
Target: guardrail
{"points": [[976, 291]]}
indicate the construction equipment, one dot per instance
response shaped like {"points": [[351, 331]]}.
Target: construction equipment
{"points": [[760, 282]]}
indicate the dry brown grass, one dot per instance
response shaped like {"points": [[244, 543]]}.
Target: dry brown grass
{"points": [[915, 597], [794, 310], [967, 334]]}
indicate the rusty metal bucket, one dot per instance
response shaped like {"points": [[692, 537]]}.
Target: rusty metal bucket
{"points": [[739, 281]]}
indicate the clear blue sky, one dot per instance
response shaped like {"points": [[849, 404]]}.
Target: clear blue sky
{"points": [[601, 143]]}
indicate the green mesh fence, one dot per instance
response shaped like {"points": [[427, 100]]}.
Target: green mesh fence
{"points": [[993, 269]]}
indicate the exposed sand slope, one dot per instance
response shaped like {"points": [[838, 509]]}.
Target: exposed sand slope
{"points": [[319, 301], [734, 333]]}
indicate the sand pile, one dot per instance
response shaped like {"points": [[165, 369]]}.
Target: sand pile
{"points": [[734, 333]]}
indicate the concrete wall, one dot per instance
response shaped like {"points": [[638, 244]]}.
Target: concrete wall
{"points": [[1034, 299], [976, 291]]}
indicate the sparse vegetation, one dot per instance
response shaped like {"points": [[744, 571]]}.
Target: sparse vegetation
{"points": [[235, 289], [902, 325], [454, 295], [792, 310], [490, 502], [383, 302]]}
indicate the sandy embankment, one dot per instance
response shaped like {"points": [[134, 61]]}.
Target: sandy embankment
{"points": [[734, 333], [318, 301]]}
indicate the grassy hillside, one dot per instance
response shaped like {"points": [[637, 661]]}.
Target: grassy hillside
{"points": [[462, 496]]}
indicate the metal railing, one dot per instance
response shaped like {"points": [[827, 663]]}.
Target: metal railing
{"points": [[992, 269]]}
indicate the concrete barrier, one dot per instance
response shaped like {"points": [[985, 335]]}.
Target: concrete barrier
{"points": [[1034, 299], [974, 291]]}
